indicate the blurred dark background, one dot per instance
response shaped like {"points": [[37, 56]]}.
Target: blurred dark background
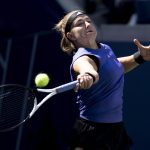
{"points": [[29, 45]]}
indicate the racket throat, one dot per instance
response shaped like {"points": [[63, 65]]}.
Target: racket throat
{"points": [[37, 106]]}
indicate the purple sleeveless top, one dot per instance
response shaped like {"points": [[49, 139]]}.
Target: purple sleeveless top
{"points": [[103, 101]]}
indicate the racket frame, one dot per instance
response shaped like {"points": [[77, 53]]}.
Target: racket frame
{"points": [[36, 106]]}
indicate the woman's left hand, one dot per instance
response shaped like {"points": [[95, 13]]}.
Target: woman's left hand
{"points": [[144, 50]]}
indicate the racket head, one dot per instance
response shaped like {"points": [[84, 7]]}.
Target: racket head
{"points": [[16, 103]]}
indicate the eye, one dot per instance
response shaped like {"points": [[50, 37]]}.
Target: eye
{"points": [[89, 21], [80, 23]]}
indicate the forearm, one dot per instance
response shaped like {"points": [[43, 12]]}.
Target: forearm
{"points": [[130, 62]]}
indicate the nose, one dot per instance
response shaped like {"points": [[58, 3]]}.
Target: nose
{"points": [[87, 24]]}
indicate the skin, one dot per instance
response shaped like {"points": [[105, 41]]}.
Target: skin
{"points": [[129, 62], [83, 34]]}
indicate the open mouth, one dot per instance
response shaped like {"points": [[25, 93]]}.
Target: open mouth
{"points": [[90, 31]]}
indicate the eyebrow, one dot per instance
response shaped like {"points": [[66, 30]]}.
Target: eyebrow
{"points": [[81, 18]]}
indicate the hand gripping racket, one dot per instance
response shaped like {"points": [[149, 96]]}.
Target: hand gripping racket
{"points": [[19, 103]]}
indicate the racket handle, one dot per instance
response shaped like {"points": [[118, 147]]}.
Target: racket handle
{"points": [[66, 87]]}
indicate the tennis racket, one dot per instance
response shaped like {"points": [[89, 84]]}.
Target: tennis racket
{"points": [[19, 103]]}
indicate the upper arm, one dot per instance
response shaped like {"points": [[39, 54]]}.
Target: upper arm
{"points": [[84, 64]]}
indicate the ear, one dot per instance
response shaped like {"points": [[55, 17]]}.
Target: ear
{"points": [[70, 36]]}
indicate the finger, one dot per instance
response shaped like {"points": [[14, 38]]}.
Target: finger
{"points": [[76, 89], [87, 82], [137, 43], [82, 82]]}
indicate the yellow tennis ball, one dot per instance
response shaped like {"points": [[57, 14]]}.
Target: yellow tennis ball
{"points": [[42, 80]]}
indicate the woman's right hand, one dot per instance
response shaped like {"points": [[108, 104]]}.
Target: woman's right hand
{"points": [[85, 81]]}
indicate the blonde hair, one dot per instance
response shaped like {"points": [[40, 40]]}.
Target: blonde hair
{"points": [[66, 45]]}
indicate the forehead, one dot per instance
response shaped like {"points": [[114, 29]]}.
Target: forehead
{"points": [[81, 17]]}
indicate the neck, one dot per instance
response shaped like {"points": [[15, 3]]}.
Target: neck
{"points": [[92, 45]]}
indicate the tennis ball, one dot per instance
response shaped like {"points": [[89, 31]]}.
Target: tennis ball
{"points": [[42, 80]]}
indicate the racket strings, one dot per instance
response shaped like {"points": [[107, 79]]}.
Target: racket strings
{"points": [[15, 105]]}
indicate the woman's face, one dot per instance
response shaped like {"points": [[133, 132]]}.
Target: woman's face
{"points": [[83, 30]]}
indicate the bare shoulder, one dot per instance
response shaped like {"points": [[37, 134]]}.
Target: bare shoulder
{"points": [[84, 61], [84, 58]]}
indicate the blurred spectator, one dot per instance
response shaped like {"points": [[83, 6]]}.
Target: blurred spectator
{"points": [[120, 11], [116, 11], [112, 11], [143, 11]]}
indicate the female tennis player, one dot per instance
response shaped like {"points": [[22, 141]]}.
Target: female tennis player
{"points": [[101, 80]]}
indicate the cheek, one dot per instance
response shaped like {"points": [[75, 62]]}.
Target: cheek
{"points": [[94, 32], [94, 29], [78, 34]]}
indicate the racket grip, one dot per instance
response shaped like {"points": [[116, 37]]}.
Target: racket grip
{"points": [[66, 87]]}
